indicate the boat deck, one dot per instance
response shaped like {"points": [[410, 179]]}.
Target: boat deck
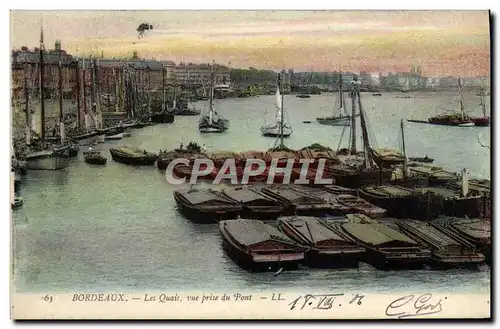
{"points": [[314, 232], [249, 232], [198, 197]]}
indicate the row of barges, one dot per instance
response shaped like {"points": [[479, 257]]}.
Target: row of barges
{"points": [[345, 242], [270, 201]]}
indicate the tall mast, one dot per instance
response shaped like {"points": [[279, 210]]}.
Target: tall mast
{"points": [[78, 104], [149, 90], [60, 91], [42, 84], [92, 84], [353, 117], [341, 93], [481, 97], [84, 89], [211, 101], [98, 92], [61, 123], [163, 87], [366, 141], [108, 89], [405, 164], [281, 110], [26, 106], [461, 100]]}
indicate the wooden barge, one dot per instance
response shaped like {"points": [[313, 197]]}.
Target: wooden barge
{"points": [[94, 158], [400, 202], [254, 203], [133, 156], [206, 206], [473, 230], [449, 202], [336, 208], [296, 203], [387, 248], [447, 252], [328, 247], [259, 247]]}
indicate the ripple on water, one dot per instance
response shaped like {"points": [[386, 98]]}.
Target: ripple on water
{"points": [[111, 227]]}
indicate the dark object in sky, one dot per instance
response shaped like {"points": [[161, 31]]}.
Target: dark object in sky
{"points": [[143, 27]]}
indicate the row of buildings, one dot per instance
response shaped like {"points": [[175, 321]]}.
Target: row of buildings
{"points": [[150, 74], [412, 80]]}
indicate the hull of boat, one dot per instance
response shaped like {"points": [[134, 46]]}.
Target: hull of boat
{"points": [[481, 121], [48, 160], [96, 161], [398, 207], [246, 260], [131, 160], [262, 213], [114, 137], [204, 216], [275, 131], [186, 112], [73, 151], [334, 258], [463, 207], [386, 261], [451, 122], [162, 118], [335, 121], [212, 129]]}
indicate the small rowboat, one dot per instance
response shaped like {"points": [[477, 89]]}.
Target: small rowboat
{"points": [[17, 203], [425, 159], [95, 158]]}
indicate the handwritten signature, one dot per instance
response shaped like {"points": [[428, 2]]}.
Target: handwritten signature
{"points": [[321, 302], [411, 306]]}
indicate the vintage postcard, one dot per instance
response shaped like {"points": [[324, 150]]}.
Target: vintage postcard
{"points": [[250, 164]]}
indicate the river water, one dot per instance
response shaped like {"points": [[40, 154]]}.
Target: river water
{"points": [[115, 228]]}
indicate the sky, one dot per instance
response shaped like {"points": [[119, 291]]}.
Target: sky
{"points": [[442, 43]]}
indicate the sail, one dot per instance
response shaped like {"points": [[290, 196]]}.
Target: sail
{"points": [[279, 105], [87, 121], [62, 132]]}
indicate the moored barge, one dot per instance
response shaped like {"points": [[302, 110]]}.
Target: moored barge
{"points": [[336, 208], [206, 206], [255, 204], [399, 202], [259, 247], [475, 231], [133, 156], [447, 252], [296, 203], [387, 248], [328, 248]]}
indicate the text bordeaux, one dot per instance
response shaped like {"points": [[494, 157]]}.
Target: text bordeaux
{"points": [[98, 298]]}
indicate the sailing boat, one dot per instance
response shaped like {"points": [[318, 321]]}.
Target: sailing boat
{"points": [[459, 118], [161, 116], [303, 93], [212, 122], [90, 136], [483, 121], [343, 118], [279, 127], [44, 156], [183, 109], [353, 169]]}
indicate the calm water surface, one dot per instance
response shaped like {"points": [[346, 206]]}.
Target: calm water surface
{"points": [[116, 227]]}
